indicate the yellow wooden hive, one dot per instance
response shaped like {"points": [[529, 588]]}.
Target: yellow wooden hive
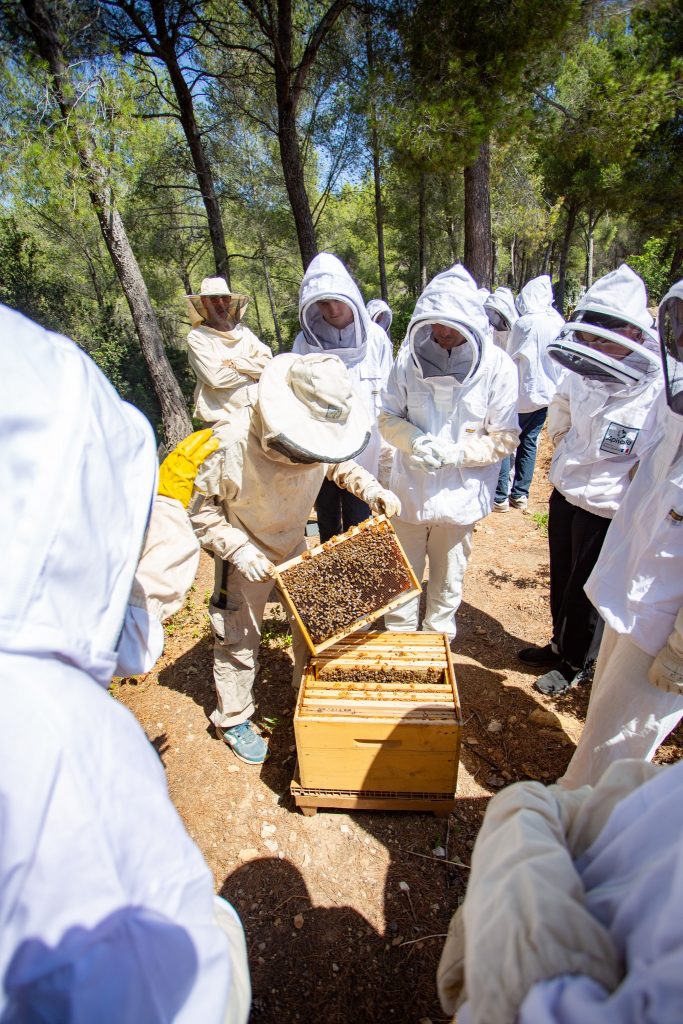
{"points": [[377, 725]]}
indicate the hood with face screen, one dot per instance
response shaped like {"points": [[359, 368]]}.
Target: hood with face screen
{"points": [[593, 343], [452, 299], [78, 477], [325, 279], [670, 320]]}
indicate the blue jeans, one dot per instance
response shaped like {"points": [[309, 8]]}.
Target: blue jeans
{"points": [[530, 424]]}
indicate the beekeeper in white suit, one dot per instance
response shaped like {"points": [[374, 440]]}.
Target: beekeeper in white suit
{"points": [[637, 586], [502, 313], [537, 325], [572, 912], [380, 313], [450, 410], [598, 421], [107, 911], [304, 424], [334, 320], [225, 355]]}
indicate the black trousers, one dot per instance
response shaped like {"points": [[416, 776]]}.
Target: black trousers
{"points": [[575, 538], [338, 510]]}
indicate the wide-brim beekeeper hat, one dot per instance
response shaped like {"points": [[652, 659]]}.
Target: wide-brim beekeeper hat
{"points": [[309, 409], [215, 286]]}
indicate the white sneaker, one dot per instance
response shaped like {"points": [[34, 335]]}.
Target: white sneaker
{"points": [[501, 506], [520, 503]]}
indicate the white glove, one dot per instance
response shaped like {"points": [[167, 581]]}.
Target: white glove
{"points": [[432, 453], [666, 671], [383, 502], [252, 563]]}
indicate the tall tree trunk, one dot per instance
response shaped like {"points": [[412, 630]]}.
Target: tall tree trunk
{"points": [[202, 168], [478, 250], [271, 295], [422, 231], [293, 171], [512, 275], [376, 172], [589, 256], [176, 421], [494, 262], [572, 211]]}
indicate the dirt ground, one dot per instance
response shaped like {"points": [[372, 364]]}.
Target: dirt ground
{"points": [[333, 933]]}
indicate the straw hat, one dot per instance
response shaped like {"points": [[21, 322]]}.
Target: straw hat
{"points": [[215, 286], [308, 408]]}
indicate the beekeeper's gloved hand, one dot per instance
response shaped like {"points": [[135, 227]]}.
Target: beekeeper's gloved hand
{"points": [[432, 452], [666, 671], [178, 470], [383, 501], [252, 563]]}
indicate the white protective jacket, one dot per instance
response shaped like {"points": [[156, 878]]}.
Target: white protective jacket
{"points": [[478, 413], [247, 492], [599, 431], [224, 362], [106, 905], [538, 324], [637, 582], [363, 347], [572, 913]]}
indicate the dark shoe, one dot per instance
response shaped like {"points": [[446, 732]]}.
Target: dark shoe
{"points": [[245, 743], [585, 674], [540, 656], [558, 680]]}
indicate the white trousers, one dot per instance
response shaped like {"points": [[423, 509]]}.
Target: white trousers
{"points": [[448, 549], [627, 715], [239, 1000], [237, 635]]}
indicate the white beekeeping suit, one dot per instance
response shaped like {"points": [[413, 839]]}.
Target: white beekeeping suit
{"points": [[637, 586], [107, 910], [597, 417], [572, 913], [363, 347], [452, 416], [502, 313], [380, 313], [538, 324]]}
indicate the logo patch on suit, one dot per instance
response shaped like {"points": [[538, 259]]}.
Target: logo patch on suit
{"points": [[619, 440]]}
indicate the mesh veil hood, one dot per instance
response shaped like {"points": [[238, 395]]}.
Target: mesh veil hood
{"points": [[536, 296], [327, 278], [77, 477]]}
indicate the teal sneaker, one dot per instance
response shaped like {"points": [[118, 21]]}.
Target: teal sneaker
{"points": [[245, 743]]}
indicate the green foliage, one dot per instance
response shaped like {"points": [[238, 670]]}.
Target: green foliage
{"points": [[541, 521], [653, 267]]}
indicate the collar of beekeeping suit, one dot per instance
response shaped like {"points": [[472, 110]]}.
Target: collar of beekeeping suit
{"points": [[309, 410]]}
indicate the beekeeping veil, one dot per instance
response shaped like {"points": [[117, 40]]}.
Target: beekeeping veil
{"points": [[77, 478], [671, 340], [380, 312], [309, 411], [214, 286], [591, 344], [453, 299]]}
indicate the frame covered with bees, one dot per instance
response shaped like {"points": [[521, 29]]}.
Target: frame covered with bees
{"points": [[347, 582]]}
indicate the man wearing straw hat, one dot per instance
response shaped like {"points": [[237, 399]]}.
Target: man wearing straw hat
{"points": [[301, 425], [224, 354]]}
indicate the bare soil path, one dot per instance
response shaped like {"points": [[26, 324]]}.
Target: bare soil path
{"points": [[333, 937]]}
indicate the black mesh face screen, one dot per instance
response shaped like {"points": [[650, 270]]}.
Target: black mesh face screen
{"points": [[671, 341]]}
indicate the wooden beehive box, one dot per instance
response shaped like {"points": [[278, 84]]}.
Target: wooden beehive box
{"points": [[347, 582], [377, 725]]}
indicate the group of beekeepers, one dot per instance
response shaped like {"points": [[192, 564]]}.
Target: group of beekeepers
{"points": [[106, 906]]}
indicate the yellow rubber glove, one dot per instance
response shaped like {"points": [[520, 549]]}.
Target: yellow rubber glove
{"points": [[178, 470]]}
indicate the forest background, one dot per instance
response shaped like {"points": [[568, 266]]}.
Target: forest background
{"points": [[145, 145]]}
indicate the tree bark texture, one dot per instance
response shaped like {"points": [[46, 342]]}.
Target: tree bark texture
{"points": [[376, 173], [422, 232], [478, 247], [572, 211], [176, 421]]}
